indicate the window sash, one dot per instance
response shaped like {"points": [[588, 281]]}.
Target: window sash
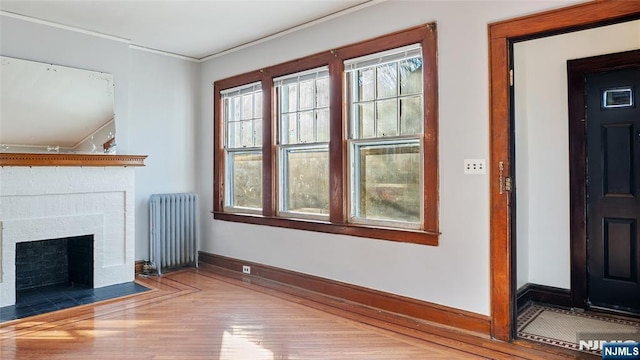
{"points": [[231, 203], [355, 180], [284, 185], [236, 128], [291, 121], [379, 115]]}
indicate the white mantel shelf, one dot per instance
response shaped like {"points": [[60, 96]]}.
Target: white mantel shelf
{"points": [[22, 159]]}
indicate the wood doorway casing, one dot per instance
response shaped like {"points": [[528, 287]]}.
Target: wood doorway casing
{"points": [[576, 72], [501, 37]]}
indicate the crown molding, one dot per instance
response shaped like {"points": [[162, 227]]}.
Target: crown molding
{"points": [[64, 27], [165, 53]]}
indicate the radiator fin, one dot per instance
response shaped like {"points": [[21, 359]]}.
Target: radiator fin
{"points": [[173, 230]]}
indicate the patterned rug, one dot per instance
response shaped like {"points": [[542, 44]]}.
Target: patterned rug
{"points": [[566, 328]]}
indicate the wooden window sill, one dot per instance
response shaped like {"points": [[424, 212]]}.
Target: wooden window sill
{"points": [[423, 237]]}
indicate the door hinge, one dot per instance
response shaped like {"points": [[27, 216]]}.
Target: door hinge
{"points": [[507, 183], [511, 77]]}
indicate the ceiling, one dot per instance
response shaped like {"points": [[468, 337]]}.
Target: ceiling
{"points": [[190, 28]]}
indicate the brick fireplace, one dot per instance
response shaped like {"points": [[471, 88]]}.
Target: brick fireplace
{"points": [[55, 202]]}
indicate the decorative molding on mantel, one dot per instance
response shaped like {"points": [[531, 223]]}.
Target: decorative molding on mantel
{"points": [[20, 159]]}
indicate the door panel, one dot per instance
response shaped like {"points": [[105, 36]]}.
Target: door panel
{"points": [[619, 244], [613, 185], [618, 155]]}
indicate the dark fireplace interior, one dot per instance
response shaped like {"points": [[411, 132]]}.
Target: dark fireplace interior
{"points": [[66, 262]]}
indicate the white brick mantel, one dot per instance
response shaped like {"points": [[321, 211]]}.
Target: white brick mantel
{"points": [[50, 202]]}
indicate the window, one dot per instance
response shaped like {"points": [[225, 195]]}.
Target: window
{"points": [[243, 147], [386, 124], [343, 141], [303, 143]]}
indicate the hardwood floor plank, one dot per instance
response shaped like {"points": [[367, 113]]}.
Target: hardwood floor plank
{"points": [[208, 314], [424, 330]]}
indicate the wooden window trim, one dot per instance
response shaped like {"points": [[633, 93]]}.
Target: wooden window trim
{"points": [[426, 35]]}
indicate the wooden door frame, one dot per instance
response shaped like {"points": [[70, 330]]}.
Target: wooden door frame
{"points": [[501, 37], [576, 72]]}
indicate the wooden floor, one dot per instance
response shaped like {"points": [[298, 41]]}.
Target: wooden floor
{"points": [[211, 313]]}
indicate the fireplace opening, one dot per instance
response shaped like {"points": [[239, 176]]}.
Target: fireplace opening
{"points": [[54, 264], [58, 274]]}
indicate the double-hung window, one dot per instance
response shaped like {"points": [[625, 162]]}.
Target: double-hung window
{"points": [[385, 130], [243, 147], [343, 141], [303, 143]]}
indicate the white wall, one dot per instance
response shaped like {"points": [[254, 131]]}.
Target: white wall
{"points": [[156, 103], [456, 273], [163, 95], [542, 150]]}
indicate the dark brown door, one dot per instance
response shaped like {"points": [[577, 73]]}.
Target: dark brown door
{"points": [[613, 183]]}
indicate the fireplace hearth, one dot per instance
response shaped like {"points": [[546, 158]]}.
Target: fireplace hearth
{"points": [[45, 299]]}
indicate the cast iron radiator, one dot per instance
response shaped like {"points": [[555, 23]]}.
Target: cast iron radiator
{"points": [[173, 230]]}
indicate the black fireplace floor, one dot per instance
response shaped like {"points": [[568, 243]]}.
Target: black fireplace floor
{"points": [[62, 296]]}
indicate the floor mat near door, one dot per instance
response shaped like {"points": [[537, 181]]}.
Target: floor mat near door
{"points": [[566, 328]]}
